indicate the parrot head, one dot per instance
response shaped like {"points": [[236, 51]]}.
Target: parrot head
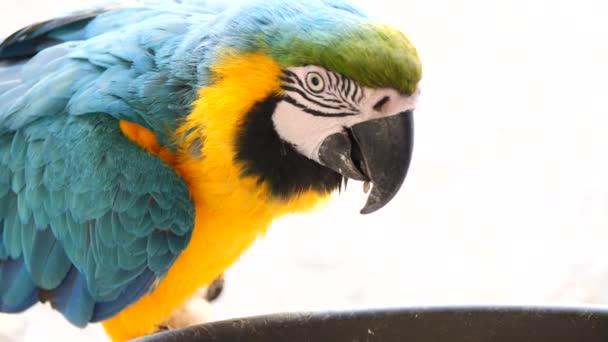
{"points": [[339, 94]]}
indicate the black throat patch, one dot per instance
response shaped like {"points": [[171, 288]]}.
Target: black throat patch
{"points": [[276, 162]]}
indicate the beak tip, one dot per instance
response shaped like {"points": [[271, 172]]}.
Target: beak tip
{"points": [[375, 202], [366, 210]]}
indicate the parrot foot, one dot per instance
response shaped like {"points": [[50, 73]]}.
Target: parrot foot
{"points": [[197, 310], [215, 289]]}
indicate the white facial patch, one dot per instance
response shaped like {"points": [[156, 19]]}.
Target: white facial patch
{"points": [[319, 103]]}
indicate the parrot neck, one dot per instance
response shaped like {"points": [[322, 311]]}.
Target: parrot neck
{"points": [[231, 155], [275, 162]]}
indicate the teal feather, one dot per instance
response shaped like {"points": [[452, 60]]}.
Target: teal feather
{"points": [[158, 263], [138, 246], [47, 262], [5, 151], [18, 180], [124, 277], [139, 208], [176, 243], [54, 177], [12, 233], [123, 200], [58, 224], [96, 247], [160, 200], [3, 251], [23, 210], [34, 176], [34, 195], [132, 225], [28, 234], [105, 230], [4, 189], [128, 261], [41, 217], [120, 233], [110, 259], [35, 157], [5, 209], [5, 176], [156, 244]]}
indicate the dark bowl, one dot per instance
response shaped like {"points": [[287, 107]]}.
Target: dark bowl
{"points": [[435, 324]]}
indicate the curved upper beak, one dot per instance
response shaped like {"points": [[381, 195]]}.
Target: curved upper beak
{"points": [[378, 151]]}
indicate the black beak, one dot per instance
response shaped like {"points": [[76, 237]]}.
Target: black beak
{"points": [[378, 151]]}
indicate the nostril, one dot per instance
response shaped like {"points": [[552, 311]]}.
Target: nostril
{"points": [[378, 106]]}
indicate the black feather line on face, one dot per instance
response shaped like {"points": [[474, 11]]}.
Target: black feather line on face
{"points": [[315, 112], [273, 161]]}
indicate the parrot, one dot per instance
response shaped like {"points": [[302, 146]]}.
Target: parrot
{"points": [[145, 145]]}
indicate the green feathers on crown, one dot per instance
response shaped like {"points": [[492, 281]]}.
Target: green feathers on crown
{"points": [[376, 56]]}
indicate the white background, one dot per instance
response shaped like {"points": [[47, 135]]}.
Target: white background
{"points": [[507, 198]]}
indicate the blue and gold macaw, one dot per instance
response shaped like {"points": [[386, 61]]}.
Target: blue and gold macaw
{"points": [[144, 147]]}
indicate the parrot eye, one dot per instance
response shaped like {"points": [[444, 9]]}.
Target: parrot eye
{"points": [[315, 82]]}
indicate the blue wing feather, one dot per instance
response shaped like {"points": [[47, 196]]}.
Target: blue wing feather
{"points": [[17, 290], [80, 225], [90, 260], [136, 289]]}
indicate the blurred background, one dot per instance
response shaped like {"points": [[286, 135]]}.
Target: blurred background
{"points": [[507, 198]]}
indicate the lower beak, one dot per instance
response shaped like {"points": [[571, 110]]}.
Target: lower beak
{"points": [[378, 151]]}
